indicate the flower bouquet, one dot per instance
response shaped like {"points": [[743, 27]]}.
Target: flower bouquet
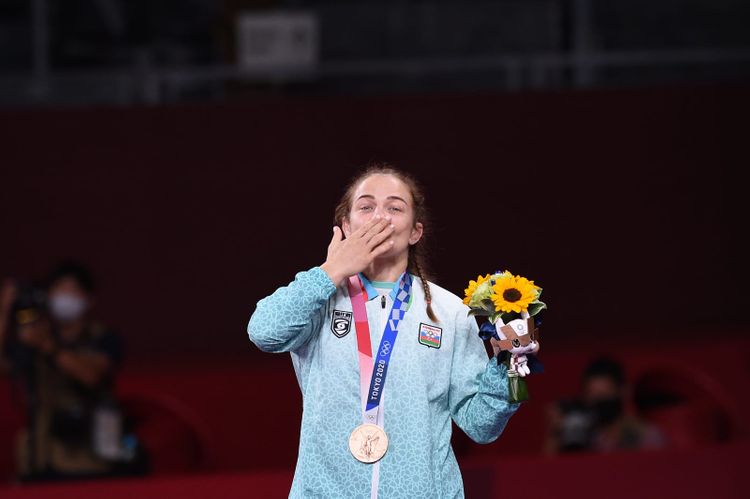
{"points": [[512, 306]]}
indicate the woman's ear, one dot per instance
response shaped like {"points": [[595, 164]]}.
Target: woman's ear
{"points": [[416, 233], [346, 227]]}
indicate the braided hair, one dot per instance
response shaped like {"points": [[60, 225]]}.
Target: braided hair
{"points": [[417, 262]]}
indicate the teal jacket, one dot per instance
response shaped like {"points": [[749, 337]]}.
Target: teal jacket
{"points": [[428, 384]]}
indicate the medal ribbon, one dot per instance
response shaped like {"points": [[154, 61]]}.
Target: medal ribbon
{"points": [[376, 371]]}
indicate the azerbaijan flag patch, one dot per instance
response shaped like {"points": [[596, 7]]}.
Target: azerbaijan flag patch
{"points": [[430, 335]]}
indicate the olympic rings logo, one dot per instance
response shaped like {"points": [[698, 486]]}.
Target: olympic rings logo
{"points": [[386, 349]]}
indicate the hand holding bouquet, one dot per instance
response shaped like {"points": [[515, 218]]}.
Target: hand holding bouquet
{"points": [[512, 305]]}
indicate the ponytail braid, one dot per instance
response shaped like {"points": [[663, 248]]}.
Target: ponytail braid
{"points": [[414, 263]]}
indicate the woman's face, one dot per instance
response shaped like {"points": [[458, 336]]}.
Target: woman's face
{"points": [[387, 196]]}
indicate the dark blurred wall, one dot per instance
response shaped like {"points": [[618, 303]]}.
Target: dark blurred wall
{"points": [[624, 203]]}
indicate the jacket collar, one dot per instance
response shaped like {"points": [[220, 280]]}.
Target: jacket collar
{"points": [[372, 293]]}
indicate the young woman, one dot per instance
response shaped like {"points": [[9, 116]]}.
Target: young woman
{"points": [[377, 412]]}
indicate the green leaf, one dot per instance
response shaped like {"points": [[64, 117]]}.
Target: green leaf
{"points": [[482, 293], [488, 305], [478, 313], [536, 307]]}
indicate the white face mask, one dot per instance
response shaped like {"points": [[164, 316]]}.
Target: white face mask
{"points": [[67, 307]]}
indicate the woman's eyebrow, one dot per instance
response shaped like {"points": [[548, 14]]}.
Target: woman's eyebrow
{"points": [[370, 196]]}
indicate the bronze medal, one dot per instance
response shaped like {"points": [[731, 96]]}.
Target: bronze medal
{"points": [[368, 443]]}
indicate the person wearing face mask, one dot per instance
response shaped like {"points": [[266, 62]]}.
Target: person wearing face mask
{"points": [[597, 420], [66, 363]]}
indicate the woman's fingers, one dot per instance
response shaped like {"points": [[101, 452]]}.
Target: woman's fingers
{"points": [[381, 248], [336, 238], [366, 227], [353, 254], [381, 236], [335, 242], [381, 225]]}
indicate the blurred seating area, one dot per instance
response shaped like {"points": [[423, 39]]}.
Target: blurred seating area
{"points": [[239, 422]]}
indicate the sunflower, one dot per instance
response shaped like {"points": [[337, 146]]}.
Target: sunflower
{"points": [[513, 293], [473, 285]]}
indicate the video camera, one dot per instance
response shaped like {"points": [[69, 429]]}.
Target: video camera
{"points": [[30, 304], [28, 309]]}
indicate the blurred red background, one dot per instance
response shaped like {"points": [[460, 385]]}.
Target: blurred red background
{"points": [[626, 206]]}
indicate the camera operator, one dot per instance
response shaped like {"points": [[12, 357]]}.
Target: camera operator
{"points": [[66, 364], [598, 419]]}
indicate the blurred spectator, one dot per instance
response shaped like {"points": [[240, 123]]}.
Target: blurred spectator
{"points": [[66, 364], [598, 419]]}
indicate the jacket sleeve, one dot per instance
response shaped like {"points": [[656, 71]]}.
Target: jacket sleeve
{"points": [[288, 318], [478, 387]]}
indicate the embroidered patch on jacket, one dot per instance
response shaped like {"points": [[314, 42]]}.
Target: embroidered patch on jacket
{"points": [[341, 323], [430, 335]]}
